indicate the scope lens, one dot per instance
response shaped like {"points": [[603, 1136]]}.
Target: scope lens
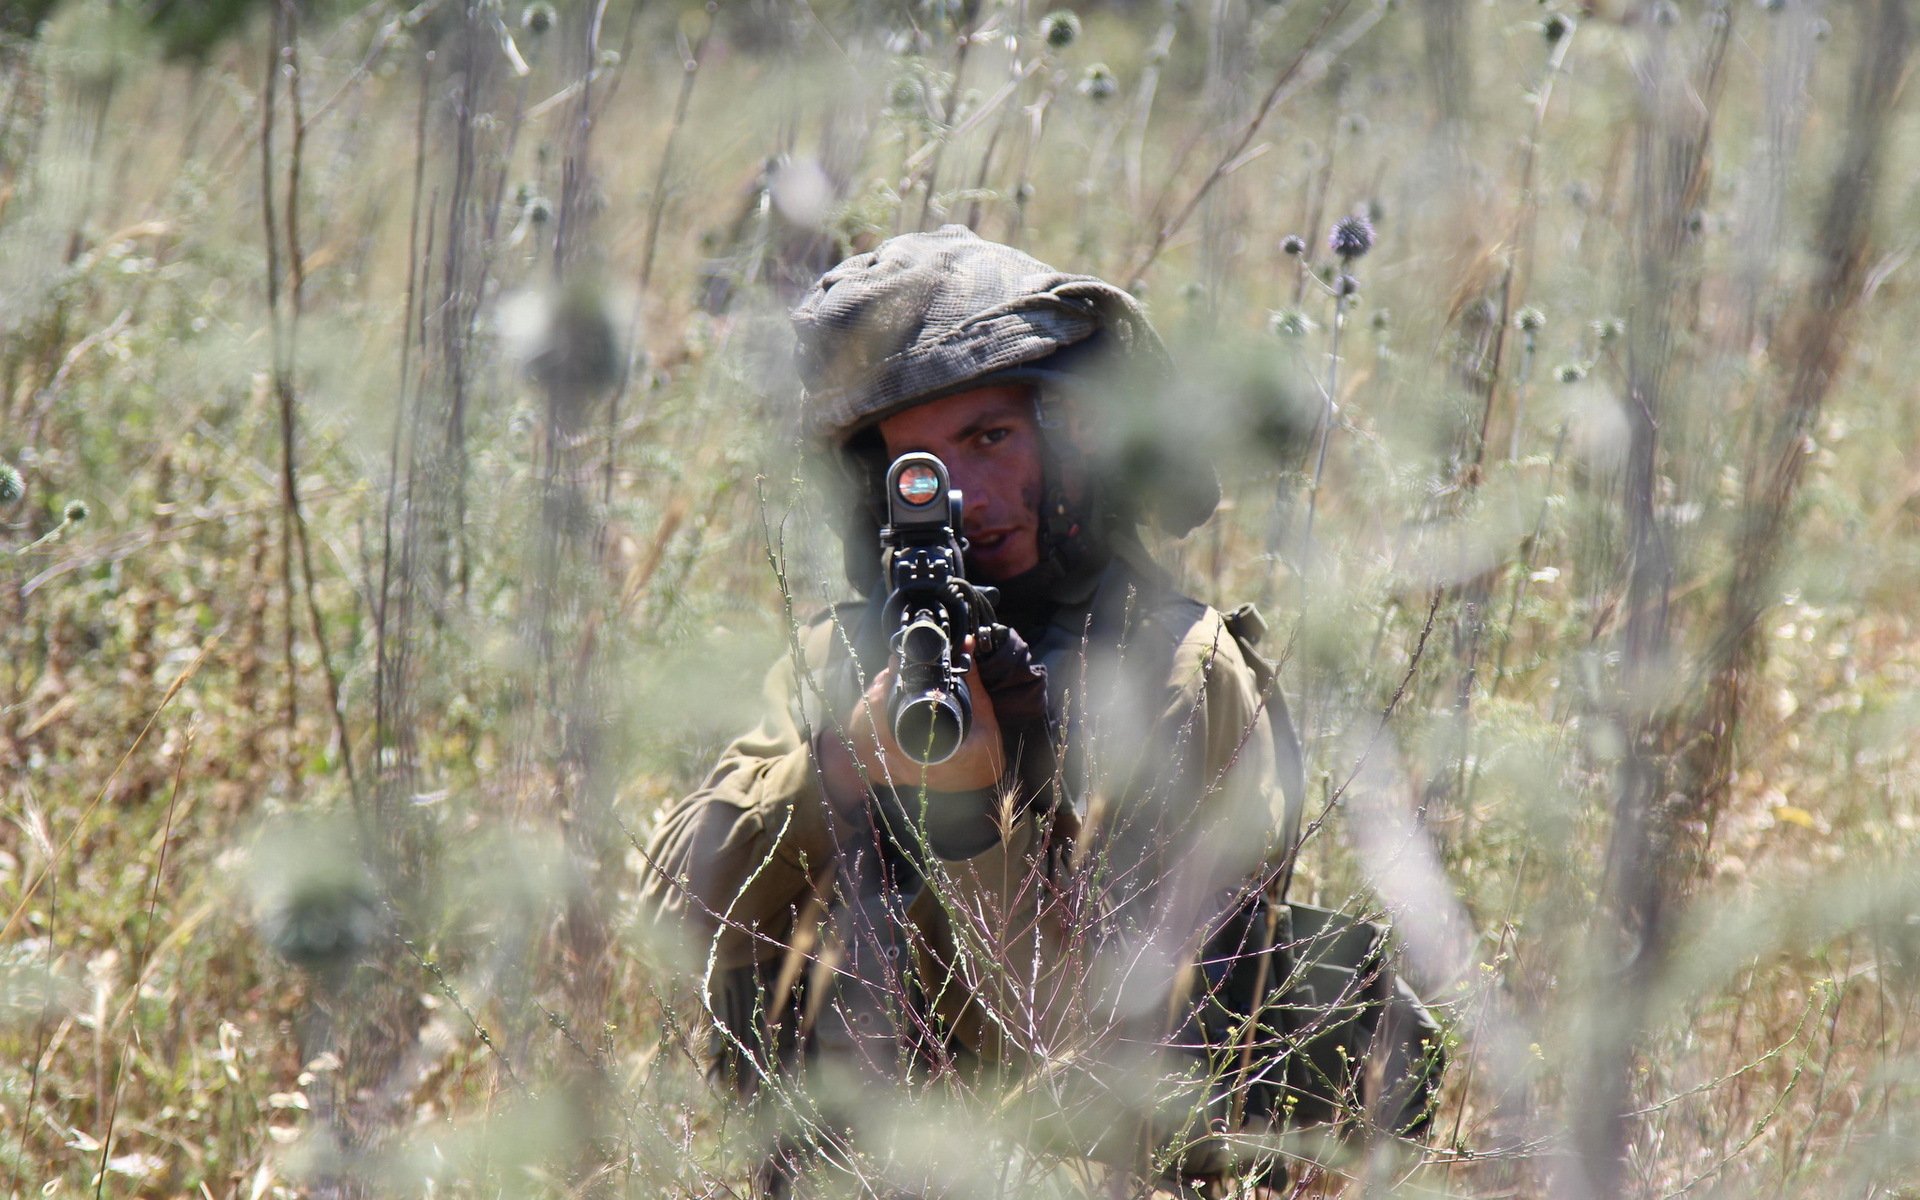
{"points": [[919, 485]]}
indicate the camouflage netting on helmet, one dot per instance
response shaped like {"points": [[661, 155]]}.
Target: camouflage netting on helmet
{"points": [[926, 314]]}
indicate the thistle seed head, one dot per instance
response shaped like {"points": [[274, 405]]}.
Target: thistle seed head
{"points": [[905, 93], [12, 487], [1290, 323], [1556, 27], [1294, 244], [1529, 320], [1098, 83], [77, 511], [537, 18], [1570, 372], [1061, 29], [1351, 238]]}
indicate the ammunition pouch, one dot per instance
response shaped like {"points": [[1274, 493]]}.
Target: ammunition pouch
{"points": [[1306, 1022]]}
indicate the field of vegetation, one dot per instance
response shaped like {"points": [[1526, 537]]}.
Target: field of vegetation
{"points": [[399, 501]]}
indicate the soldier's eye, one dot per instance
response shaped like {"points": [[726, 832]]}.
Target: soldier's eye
{"points": [[997, 434]]}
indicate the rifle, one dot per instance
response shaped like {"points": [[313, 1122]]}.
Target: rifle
{"points": [[935, 618]]}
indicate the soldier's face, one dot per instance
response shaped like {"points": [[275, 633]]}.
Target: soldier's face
{"points": [[991, 444]]}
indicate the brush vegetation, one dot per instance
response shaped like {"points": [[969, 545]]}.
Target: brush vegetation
{"points": [[400, 504]]}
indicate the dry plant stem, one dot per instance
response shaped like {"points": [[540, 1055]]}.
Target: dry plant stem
{"points": [[40, 1036], [173, 690], [286, 328], [947, 133], [1317, 185], [1296, 71], [1815, 345], [1143, 109], [1525, 222], [657, 205], [291, 709], [1329, 413], [461, 285], [408, 398], [145, 946], [1670, 162], [1036, 126], [1475, 594], [1414, 658], [1522, 576]]}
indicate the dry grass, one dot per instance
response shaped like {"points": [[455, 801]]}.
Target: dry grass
{"points": [[407, 443]]}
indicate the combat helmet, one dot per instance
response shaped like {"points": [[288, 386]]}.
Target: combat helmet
{"points": [[926, 315]]}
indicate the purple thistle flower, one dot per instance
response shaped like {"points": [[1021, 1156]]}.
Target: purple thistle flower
{"points": [[1294, 244], [1351, 237]]}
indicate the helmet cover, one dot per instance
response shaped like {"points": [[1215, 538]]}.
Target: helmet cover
{"points": [[924, 315]]}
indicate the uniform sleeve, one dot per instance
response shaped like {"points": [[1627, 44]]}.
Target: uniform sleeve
{"points": [[1198, 811], [731, 861]]}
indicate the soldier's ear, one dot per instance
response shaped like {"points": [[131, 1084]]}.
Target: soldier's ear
{"points": [[1062, 419]]}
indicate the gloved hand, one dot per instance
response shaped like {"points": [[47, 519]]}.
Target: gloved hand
{"points": [[957, 805]]}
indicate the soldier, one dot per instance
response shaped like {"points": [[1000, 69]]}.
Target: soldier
{"points": [[1129, 785]]}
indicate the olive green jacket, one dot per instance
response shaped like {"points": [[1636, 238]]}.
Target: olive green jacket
{"points": [[1169, 775]]}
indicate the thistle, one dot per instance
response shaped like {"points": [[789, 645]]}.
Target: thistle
{"points": [[12, 487], [537, 18], [1290, 323], [77, 511], [1556, 27], [1529, 320], [1060, 29], [1351, 238], [1294, 244], [1098, 83]]}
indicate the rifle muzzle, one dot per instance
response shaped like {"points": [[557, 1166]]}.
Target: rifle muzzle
{"points": [[930, 707]]}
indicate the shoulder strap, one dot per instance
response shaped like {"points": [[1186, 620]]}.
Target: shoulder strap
{"points": [[1247, 627]]}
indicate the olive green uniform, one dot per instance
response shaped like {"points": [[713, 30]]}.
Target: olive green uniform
{"points": [[1169, 768]]}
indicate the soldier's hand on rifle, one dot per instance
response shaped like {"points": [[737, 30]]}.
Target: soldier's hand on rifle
{"points": [[980, 761]]}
